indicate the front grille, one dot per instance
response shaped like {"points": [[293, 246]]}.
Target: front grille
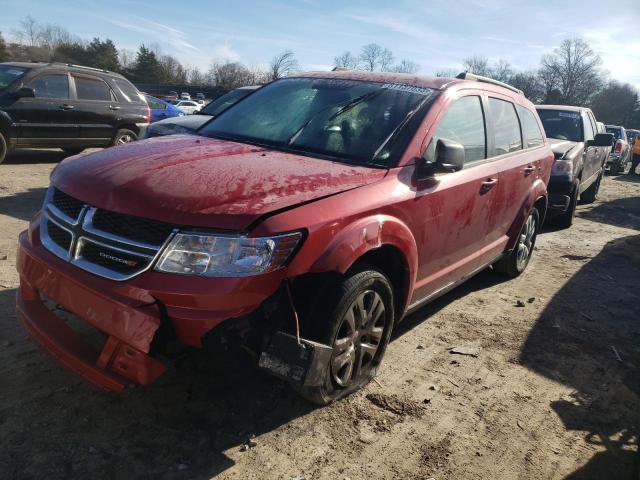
{"points": [[134, 228], [105, 243], [66, 204], [60, 236]]}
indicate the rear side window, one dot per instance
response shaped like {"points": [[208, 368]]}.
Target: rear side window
{"points": [[463, 123], [51, 86], [156, 104], [531, 133], [508, 137], [89, 88], [127, 91]]}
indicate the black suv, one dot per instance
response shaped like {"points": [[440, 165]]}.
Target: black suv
{"points": [[56, 105]]}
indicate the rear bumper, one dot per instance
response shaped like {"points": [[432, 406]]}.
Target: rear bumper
{"points": [[124, 312]]}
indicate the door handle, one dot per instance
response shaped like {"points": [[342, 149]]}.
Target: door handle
{"points": [[488, 184], [528, 170], [114, 107], [66, 107]]}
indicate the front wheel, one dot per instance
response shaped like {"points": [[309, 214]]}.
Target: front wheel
{"points": [[591, 193], [3, 148], [356, 321], [514, 263], [123, 136]]}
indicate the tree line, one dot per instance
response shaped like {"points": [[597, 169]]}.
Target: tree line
{"points": [[570, 75]]}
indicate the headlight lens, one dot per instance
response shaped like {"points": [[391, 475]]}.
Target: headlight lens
{"points": [[562, 168], [226, 256]]}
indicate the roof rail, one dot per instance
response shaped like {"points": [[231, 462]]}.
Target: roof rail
{"points": [[82, 66], [340, 69], [480, 78]]}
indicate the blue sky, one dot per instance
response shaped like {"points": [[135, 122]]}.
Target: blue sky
{"points": [[436, 34]]}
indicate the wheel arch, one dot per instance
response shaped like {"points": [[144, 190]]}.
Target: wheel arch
{"points": [[535, 198]]}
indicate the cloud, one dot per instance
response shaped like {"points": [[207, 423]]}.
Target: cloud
{"points": [[226, 53], [160, 32]]}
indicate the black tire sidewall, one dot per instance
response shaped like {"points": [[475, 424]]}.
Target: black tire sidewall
{"points": [[362, 279], [4, 147], [536, 217], [122, 132]]}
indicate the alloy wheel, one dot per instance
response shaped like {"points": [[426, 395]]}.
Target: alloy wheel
{"points": [[124, 139], [359, 338], [525, 243]]}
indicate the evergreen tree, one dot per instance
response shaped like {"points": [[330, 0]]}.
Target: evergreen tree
{"points": [[146, 67]]}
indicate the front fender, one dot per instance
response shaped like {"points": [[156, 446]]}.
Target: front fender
{"points": [[536, 192]]}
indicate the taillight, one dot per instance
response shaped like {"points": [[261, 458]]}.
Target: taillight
{"points": [[618, 148]]}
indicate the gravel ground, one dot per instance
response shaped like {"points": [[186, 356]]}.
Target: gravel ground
{"points": [[553, 392]]}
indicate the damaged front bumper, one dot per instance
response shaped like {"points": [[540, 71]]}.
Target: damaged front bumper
{"points": [[130, 314]]}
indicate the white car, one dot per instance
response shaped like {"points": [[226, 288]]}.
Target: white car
{"points": [[188, 107], [185, 96]]}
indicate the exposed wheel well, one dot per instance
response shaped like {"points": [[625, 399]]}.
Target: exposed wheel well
{"points": [[393, 264], [129, 126], [541, 206]]}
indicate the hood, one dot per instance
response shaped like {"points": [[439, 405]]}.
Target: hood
{"points": [[561, 147], [171, 126], [197, 181]]}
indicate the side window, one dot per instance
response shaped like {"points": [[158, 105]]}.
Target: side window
{"points": [[91, 88], [506, 126], [594, 125], [463, 123], [156, 104], [588, 128], [532, 135], [51, 86]]}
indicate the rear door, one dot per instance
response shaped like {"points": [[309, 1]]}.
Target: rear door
{"points": [[518, 167], [45, 119], [454, 213], [96, 109]]}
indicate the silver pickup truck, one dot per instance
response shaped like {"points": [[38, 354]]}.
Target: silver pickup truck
{"points": [[580, 151]]}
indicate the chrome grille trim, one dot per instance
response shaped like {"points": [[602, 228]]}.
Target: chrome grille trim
{"points": [[83, 232]]}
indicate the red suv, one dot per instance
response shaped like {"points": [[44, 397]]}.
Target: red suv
{"points": [[306, 220]]}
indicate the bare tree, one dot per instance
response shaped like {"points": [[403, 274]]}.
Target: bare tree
{"points": [[530, 84], [386, 60], [196, 77], [501, 71], [229, 75], [406, 66], [477, 64], [572, 73], [370, 56], [346, 60], [282, 65], [29, 31], [447, 73], [126, 58]]}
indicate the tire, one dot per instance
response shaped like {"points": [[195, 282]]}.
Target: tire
{"points": [[614, 170], [73, 151], [3, 148], [513, 264], [123, 136], [591, 193], [351, 321], [566, 219]]}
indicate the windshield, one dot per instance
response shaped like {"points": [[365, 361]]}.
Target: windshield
{"points": [[349, 121], [561, 125], [220, 104], [9, 74], [617, 132]]}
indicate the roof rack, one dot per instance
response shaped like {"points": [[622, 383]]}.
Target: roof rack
{"points": [[82, 66], [480, 78]]}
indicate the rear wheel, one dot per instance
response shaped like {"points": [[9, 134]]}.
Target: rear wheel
{"points": [[3, 147], [124, 136], [591, 193], [517, 260], [356, 321]]}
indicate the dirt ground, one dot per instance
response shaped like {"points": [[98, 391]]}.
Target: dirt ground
{"points": [[553, 394]]}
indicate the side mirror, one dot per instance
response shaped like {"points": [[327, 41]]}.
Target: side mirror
{"points": [[449, 157], [26, 92], [601, 140]]}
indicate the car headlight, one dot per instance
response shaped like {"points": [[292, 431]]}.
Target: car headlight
{"points": [[562, 168], [226, 255]]}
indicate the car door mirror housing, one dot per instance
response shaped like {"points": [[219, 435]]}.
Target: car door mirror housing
{"points": [[601, 140], [449, 157], [26, 92]]}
